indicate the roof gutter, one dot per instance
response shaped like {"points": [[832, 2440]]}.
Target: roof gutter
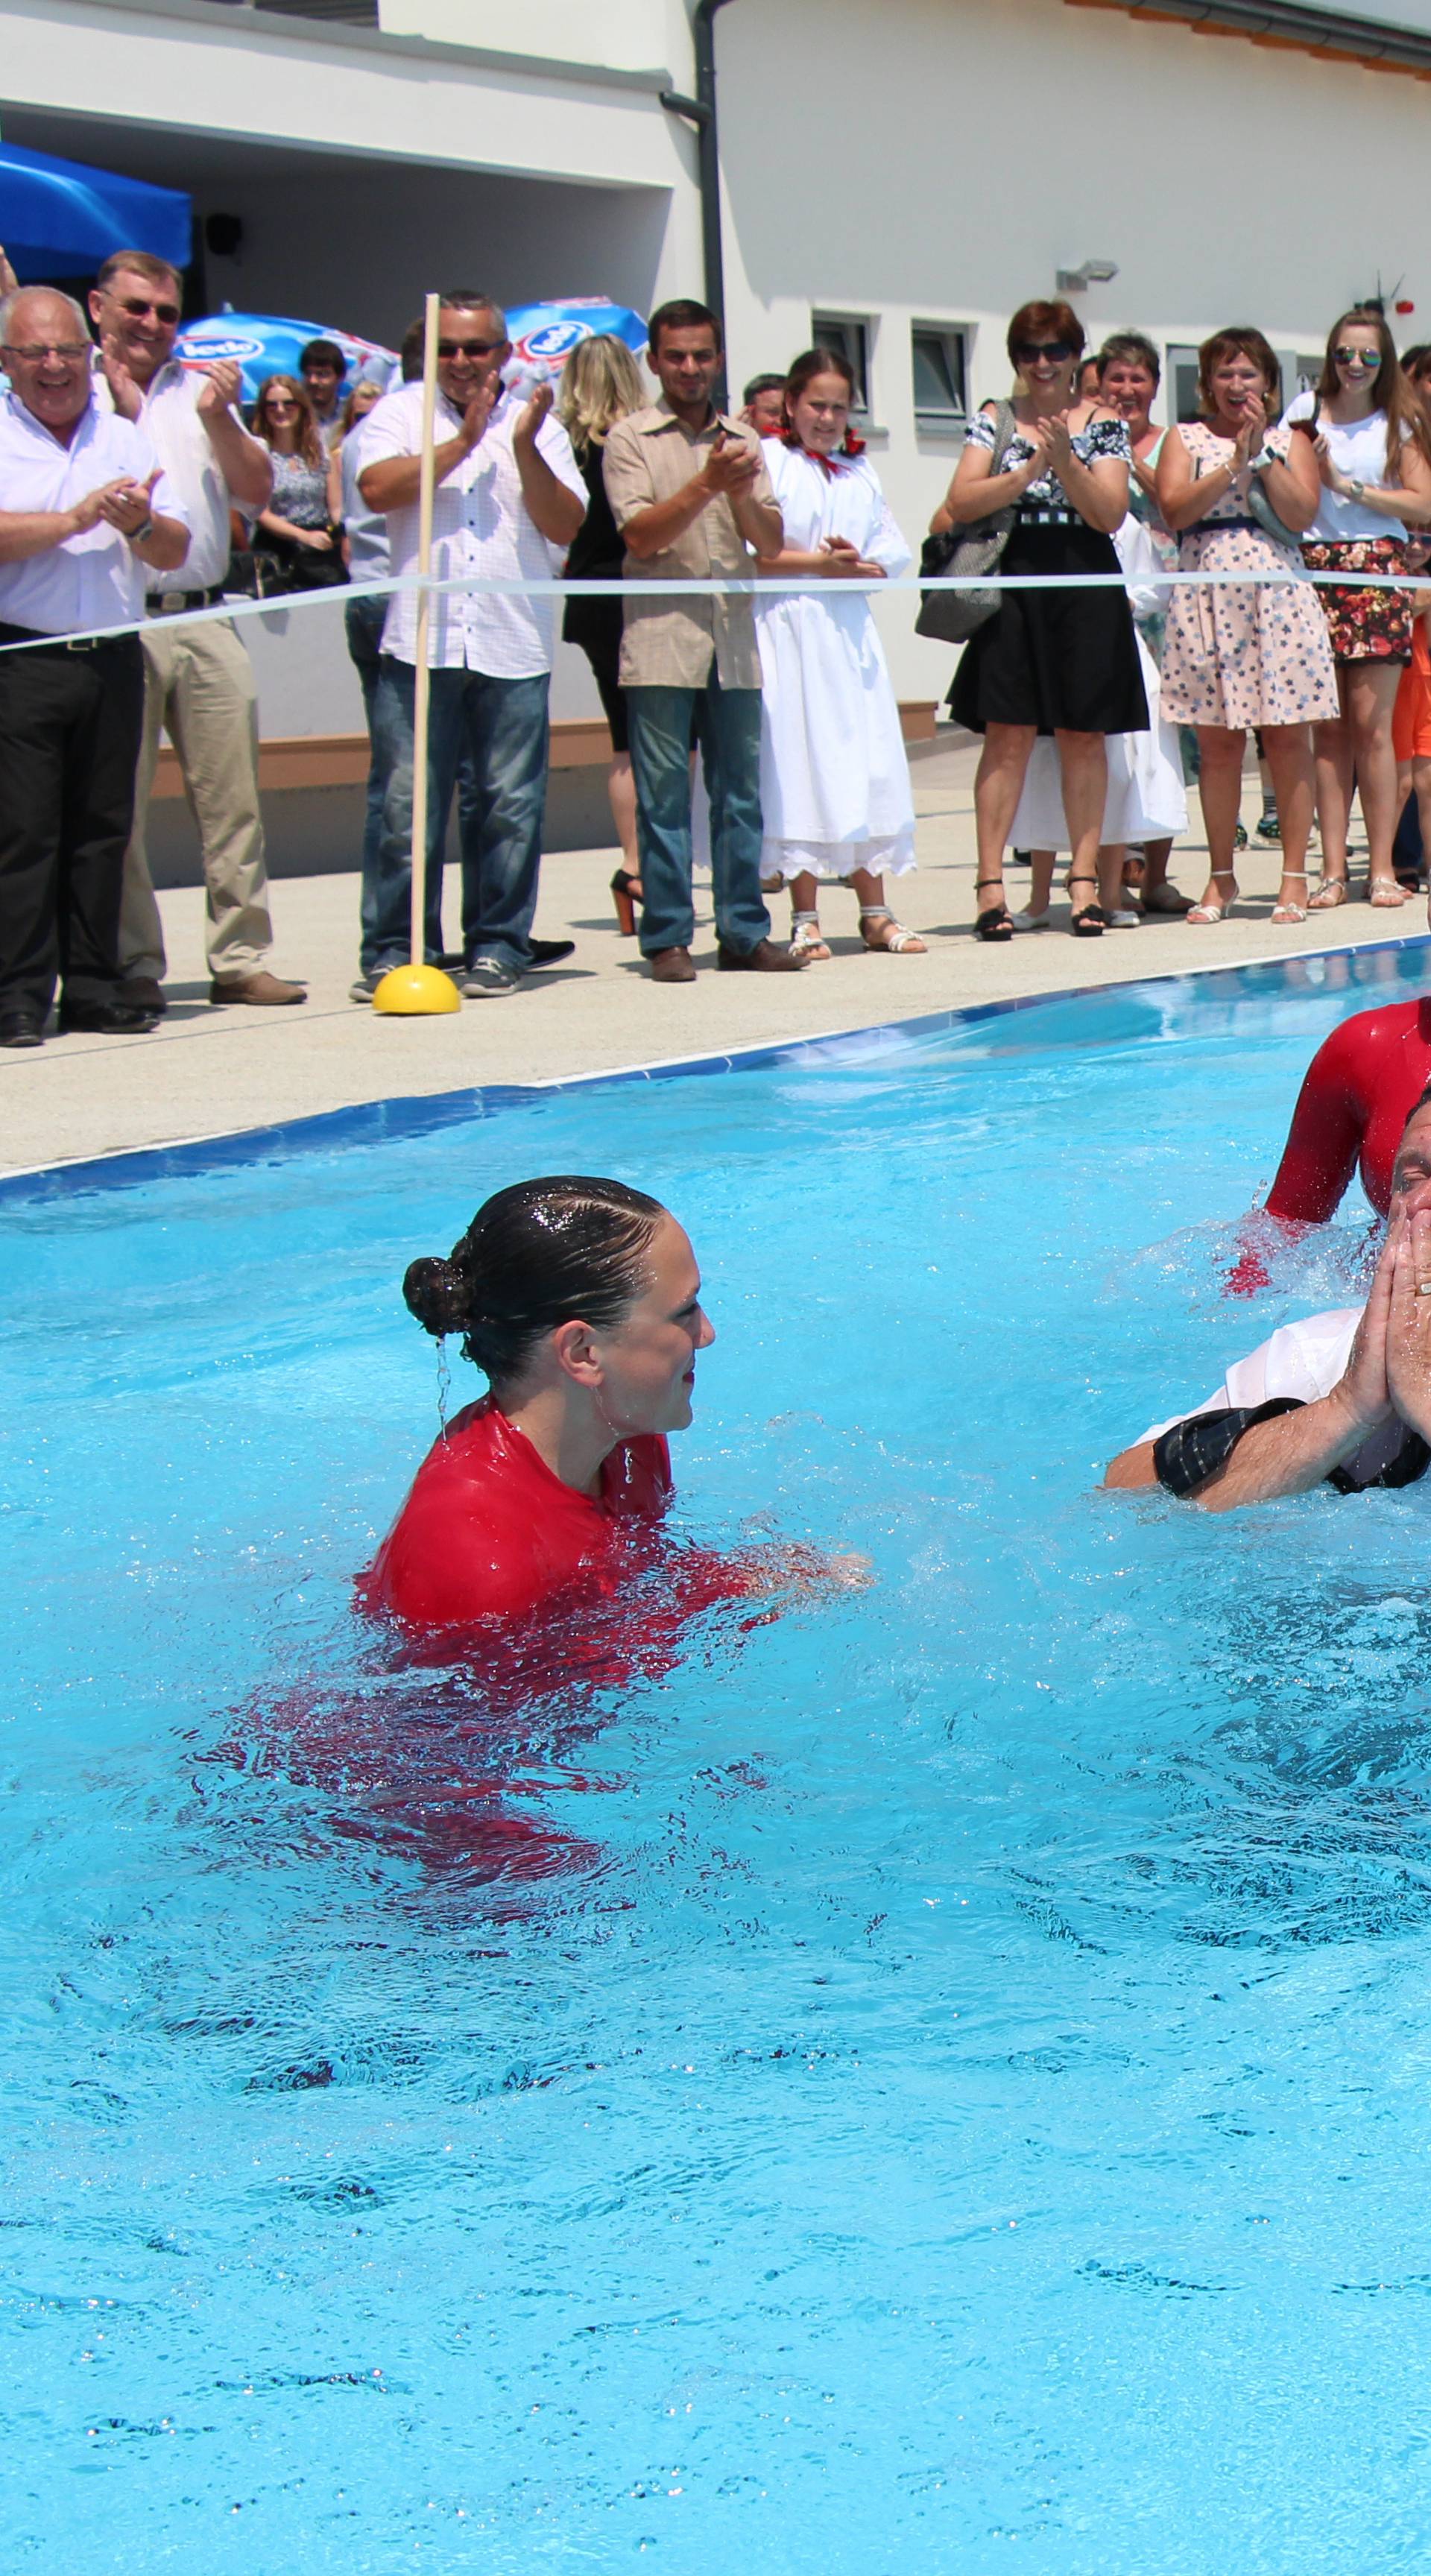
{"points": [[1334, 35], [700, 112]]}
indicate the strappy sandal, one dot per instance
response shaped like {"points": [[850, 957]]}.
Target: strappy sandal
{"points": [[1327, 894], [997, 922], [1286, 914], [626, 894], [805, 940], [1092, 921], [900, 943], [1205, 912], [1385, 894]]}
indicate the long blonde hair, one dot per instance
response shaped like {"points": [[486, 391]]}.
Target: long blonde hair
{"points": [[600, 383]]}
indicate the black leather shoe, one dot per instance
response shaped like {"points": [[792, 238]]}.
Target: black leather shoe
{"points": [[105, 1019], [549, 952], [21, 1028]]}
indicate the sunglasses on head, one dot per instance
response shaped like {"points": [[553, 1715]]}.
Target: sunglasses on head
{"points": [[468, 348], [1357, 357], [1028, 352], [136, 306]]}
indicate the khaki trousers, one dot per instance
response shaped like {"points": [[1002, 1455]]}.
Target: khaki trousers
{"points": [[199, 684]]}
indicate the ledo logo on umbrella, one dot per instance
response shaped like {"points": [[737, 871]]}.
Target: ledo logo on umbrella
{"points": [[199, 346]]}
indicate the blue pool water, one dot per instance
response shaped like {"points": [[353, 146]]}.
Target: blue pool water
{"points": [[936, 2083]]}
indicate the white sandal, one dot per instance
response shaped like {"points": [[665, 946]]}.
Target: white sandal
{"points": [[805, 939], [900, 943]]}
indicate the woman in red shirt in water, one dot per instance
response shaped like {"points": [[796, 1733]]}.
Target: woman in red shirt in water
{"points": [[1360, 1088], [581, 1301], [1357, 1094]]}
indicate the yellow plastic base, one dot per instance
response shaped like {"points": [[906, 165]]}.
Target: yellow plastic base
{"points": [[411, 992]]}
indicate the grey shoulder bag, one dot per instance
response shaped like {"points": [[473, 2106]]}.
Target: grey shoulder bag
{"points": [[952, 616]]}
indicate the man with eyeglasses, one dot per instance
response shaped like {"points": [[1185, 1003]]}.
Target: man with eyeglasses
{"points": [[87, 516], [199, 682], [508, 501]]}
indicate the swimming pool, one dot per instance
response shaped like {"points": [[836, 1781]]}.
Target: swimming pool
{"points": [[936, 2083]]}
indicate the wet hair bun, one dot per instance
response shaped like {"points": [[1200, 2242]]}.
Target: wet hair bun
{"points": [[439, 1294]]}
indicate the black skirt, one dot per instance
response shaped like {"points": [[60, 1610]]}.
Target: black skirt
{"points": [[1057, 659]]}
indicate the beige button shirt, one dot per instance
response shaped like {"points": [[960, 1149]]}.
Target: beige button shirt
{"points": [[651, 456]]}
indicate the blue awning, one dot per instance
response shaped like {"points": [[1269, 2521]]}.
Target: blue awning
{"points": [[61, 218]]}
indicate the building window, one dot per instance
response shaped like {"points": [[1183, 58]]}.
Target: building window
{"points": [[852, 340], [1181, 385], [940, 376]]}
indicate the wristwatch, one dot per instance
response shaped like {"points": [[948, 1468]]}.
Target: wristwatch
{"points": [[144, 529], [1357, 490]]}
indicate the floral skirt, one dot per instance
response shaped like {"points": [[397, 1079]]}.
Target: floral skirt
{"points": [[1364, 625]]}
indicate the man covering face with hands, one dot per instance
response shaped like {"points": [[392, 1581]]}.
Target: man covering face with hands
{"points": [[1343, 1398]]}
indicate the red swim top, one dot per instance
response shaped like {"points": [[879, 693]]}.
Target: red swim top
{"points": [[488, 1528], [1359, 1091]]}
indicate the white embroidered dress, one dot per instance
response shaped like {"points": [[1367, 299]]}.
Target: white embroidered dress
{"points": [[834, 779]]}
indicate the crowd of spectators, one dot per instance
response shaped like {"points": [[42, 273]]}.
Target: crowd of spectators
{"points": [[758, 734]]}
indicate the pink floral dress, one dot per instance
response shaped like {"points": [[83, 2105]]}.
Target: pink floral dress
{"points": [[1237, 655]]}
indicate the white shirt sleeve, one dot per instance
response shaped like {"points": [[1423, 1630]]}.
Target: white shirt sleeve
{"points": [[554, 448], [887, 545], [388, 429], [1303, 1360]]}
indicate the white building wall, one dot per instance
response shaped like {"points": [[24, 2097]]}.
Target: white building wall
{"points": [[938, 160]]}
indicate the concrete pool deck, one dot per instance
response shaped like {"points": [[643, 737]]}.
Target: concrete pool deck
{"points": [[208, 1072]]}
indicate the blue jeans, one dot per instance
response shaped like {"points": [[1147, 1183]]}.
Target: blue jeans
{"points": [[363, 619], [502, 726], [726, 724]]}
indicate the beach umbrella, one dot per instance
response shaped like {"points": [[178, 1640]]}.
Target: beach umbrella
{"points": [[268, 344], [544, 335], [63, 218]]}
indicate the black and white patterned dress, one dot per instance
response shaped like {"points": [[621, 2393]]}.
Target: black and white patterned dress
{"points": [[1056, 659]]}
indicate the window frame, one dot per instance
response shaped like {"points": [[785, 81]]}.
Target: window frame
{"points": [[955, 338], [828, 330]]}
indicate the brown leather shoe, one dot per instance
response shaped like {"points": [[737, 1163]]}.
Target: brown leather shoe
{"points": [[265, 990], [671, 966], [766, 959], [142, 993]]}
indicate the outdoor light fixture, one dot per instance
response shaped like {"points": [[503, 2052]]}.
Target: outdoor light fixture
{"points": [[1094, 272]]}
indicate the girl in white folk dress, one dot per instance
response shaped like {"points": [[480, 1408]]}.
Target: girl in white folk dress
{"points": [[834, 778]]}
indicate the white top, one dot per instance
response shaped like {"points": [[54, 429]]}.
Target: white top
{"points": [[89, 581], [1305, 1360], [1360, 451], [834, 775], [480, 525], [185, 450]]}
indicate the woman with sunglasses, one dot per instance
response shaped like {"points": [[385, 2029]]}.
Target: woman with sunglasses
{"points": [[1372, 444], [1244, 652], [300, 530], [1056, 661]]}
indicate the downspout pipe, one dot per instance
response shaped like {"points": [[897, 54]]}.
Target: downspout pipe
{"points": [[700, 112]]}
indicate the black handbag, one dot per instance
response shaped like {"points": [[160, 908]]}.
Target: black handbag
{"points": [[952, 616]]}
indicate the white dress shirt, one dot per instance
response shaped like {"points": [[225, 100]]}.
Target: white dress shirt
{"points": [[480, 525], [1304, 1360], [90, 581], [170, 417]]}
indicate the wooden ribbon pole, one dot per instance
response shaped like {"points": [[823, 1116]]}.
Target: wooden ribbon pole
{"points": [[418, 988]]}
